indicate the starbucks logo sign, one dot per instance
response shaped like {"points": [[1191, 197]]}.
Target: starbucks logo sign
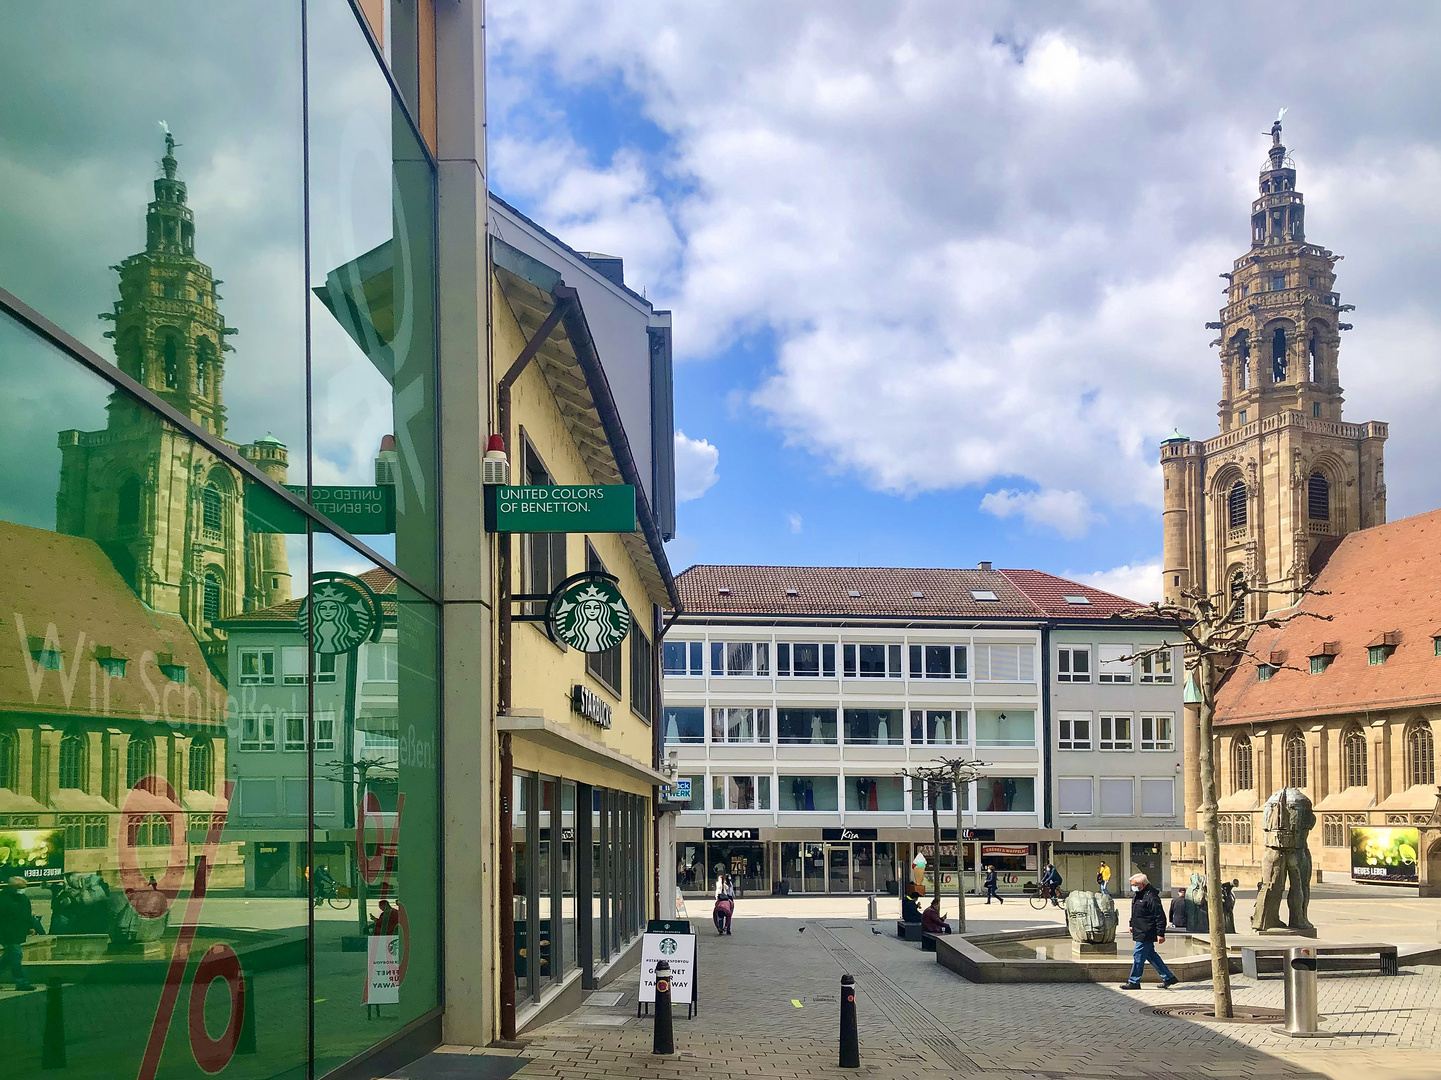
{"points": [[588, 613], [347, 613], [667, 945]]}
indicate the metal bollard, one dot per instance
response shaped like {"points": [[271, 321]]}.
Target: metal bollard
{"points": [[850, 1037], [1300, 974], [664, 1041], [871, 908], [52, 1050]]}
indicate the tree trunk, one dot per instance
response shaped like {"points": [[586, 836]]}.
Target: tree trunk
{"points": [[936, 829], [1220, 959], [960, 865]]}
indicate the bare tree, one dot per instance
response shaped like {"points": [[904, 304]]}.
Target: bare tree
{"points": [[361, 772], [1216, 633], [949, 774]]}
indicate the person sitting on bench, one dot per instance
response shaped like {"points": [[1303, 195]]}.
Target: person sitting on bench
{"points": [[932, 921], [910, 906]]}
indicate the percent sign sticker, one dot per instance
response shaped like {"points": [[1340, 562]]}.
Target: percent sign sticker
{"points": [[152, 901]]}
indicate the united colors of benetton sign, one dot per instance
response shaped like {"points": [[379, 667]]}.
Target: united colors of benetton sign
{"points": [[560, 508]]}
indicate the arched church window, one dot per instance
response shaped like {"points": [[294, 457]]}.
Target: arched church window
{"points": [[74, 761], [1238, 596], [127, 509], [170, 354], [1243, 772], [1295, 757], [1236, 505], [130, 355], [204, 365], [1278, 355], [1420, 756], [1318, 498], [202, 765], [139, 759], [8, 770], [212, 594], [212, 505], [1353, 755]]}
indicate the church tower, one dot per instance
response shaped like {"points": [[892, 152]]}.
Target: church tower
{"points": [[168, 513], [1267, 499]]}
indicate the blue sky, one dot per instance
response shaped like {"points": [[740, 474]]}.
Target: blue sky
{"points": [[940, 275]]}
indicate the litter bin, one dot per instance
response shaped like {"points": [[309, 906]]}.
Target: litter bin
{"points": [[1300, 974]]}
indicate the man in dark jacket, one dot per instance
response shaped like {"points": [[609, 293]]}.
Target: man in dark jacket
{"points": [[1148, 927], [17, 923]]}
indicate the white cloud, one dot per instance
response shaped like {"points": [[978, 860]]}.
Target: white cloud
{"points": [[1138, 581], [794, 521], [1067, 512], [695, 467], [988, 235]]}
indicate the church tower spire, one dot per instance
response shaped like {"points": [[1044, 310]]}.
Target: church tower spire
{"points": [[169, 333], [1285, 476]]}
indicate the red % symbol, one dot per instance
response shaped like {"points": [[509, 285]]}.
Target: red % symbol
{"points": [[153, 798]]}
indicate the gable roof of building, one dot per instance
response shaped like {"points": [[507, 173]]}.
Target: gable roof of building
{"points": [[286, 615], [1378, 581], [65, 592], [709, 589]]}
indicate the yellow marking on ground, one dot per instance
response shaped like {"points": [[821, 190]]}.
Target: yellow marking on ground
{"points": [[797, 1004]]}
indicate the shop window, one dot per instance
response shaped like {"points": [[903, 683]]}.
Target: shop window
{"points": [[1073, 731], [1156, 733], [740, 725], [805, 660], [1073, 664], [871, 661], [1156, 668], [257, 667], [938, 661], [1075, 796], [741, 792], [697, 793], [945, 795], [1006, 794], [1013, 727], [1114, 667], [807, 793], [684, 724], [1004, 663], [729, 658], [880, 793], [938, 727], [1115, 733], [874, 727], [683, 658], [814, 727]]}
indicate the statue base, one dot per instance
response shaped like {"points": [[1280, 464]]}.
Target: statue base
{"points": [[1083, 949], [1286, 931]]}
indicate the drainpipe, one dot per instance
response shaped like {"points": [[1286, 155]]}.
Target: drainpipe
{"points": [[507, 890]]}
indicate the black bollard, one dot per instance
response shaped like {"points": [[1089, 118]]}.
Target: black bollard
{"points": [[52, 1050], [664, 1033], [245, 1043], [850, 1037]]}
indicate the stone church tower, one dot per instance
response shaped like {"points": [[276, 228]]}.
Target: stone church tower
{"points": [[169, 514], [1286, 477]]}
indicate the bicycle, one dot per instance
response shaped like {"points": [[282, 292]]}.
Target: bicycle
{"points": [[336, 896], [1042, 896]]}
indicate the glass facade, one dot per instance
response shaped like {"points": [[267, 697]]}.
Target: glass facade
{"points": [[220, 716]]}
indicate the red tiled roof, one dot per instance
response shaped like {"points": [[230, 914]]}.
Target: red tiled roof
{"points": [[1379, 581], [381, 582], [825, 590]]}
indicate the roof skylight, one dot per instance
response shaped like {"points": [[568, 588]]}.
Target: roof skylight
{"points": [[1072, 599], [983, 594]]}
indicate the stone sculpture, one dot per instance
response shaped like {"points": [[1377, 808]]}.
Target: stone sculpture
{"points": [[1228, 903], [1198, 918], [1287, 821], [1091, 918], [78, 905]]}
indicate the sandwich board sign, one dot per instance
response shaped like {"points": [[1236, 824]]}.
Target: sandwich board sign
{"points": [[677, 950]]}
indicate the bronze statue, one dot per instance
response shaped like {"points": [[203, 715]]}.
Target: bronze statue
{"points": [[1287, 822], [1198, 917]]}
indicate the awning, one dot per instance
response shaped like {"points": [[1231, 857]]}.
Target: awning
{"points": [[554, 736]]}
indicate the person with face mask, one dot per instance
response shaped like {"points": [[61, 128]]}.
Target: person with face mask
{"points": [[1148, 927]]}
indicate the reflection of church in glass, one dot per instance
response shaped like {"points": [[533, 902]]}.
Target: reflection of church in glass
{"points": [[169, 514]]}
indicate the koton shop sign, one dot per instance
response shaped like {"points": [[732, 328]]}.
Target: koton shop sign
{"points": [[560, 508]]}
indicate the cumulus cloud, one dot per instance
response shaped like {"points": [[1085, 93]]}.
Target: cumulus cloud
{"points": [[794, 521], [992, 232], [1135, 581], [1067, 512], [695, 467]]}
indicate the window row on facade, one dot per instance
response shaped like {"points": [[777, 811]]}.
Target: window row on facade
{"points": [[750, 725], [1419, 760], [1115, 731], [976, 662], [791, 792], [1116, 796]]}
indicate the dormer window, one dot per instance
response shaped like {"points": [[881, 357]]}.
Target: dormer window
{"points": [[1380, 648], [169, 668], [1264, 672], [49, 659], [1323, 658], [110, 663]]}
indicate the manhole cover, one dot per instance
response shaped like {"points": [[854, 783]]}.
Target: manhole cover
{"points": [[1241, 1014]]}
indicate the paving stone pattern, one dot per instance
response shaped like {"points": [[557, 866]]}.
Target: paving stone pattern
{"points": [[919, 1021]]}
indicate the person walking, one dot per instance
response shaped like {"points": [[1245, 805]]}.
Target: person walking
{"points": [[1148, 927], [725, 904], [992, 881], [1103, 878], [17, 922]]}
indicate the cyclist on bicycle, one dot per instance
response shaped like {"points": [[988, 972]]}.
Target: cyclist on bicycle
{"points": [[325, 886], [1051, 884]]}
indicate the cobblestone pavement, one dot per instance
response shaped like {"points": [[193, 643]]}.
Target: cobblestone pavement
{"points": [[769, 999]]}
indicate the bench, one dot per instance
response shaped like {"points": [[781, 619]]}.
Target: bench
{"points": [[908, 931], [928, 941], [1386, 954]]}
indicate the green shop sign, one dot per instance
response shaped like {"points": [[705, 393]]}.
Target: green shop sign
{"points": [[358, 509], [560, 508], [347, 613]]}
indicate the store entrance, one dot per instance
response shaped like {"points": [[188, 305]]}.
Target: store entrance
{"points": [[838, 859]]}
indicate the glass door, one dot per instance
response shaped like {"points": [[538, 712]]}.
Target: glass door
{"points": [[863, 867], [815, 868], [838, 856]]}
